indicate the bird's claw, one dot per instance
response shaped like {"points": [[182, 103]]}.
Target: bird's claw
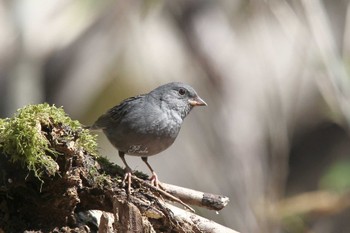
{"points": [[154, 180], [127, 178]]}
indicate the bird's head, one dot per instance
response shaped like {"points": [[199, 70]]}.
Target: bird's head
{"points": [[179, 97]]}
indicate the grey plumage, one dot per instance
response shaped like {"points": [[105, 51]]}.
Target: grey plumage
{"points": [[147, 124]]}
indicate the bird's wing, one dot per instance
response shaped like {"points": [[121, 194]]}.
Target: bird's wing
{"points": [[115, 114]]}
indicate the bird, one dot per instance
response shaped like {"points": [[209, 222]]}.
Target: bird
{"points": [[147, 124]]}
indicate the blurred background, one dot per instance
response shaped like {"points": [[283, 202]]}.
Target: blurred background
{"points": [[275, 74]]}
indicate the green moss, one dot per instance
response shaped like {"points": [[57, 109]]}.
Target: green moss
{"points": [[24, 137]]}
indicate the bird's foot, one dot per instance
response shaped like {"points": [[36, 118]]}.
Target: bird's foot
{"points": [[154, 180], [127, 178]]}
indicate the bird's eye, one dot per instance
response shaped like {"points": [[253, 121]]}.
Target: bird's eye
{"points": [[182, 91]]}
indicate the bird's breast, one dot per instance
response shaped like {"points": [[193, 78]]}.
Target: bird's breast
{"points": [[155, 135]]}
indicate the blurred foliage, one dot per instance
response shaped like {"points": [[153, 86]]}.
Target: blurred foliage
{"points": [[337, 177], [294, 224]]}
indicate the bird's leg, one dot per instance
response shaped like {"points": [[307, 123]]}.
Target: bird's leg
{"points": [[154, 178], [127, 170]]}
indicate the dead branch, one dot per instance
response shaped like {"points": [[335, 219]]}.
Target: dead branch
{"points": [[197, 198], [203, 224]]}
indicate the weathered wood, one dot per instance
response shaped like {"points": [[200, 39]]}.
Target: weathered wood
{"points": [[105, 225], [193, 197], [202, 224]]}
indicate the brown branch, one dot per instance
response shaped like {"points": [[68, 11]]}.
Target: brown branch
{"points": [[315, 202], [165, 194]]}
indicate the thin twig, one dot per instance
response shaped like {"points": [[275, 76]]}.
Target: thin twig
{"points": [[164, 193]]}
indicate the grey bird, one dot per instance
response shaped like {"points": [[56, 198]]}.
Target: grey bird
{"points": [[148, 124]]}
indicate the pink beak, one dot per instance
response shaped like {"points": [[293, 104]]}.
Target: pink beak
{"points": [[197, 101]]}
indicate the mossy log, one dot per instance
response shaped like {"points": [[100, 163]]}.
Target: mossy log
{"points": [[51, 175]]}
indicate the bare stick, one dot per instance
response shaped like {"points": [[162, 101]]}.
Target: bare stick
{"points": [[193, 197], [168, 195], [203, 224]]}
